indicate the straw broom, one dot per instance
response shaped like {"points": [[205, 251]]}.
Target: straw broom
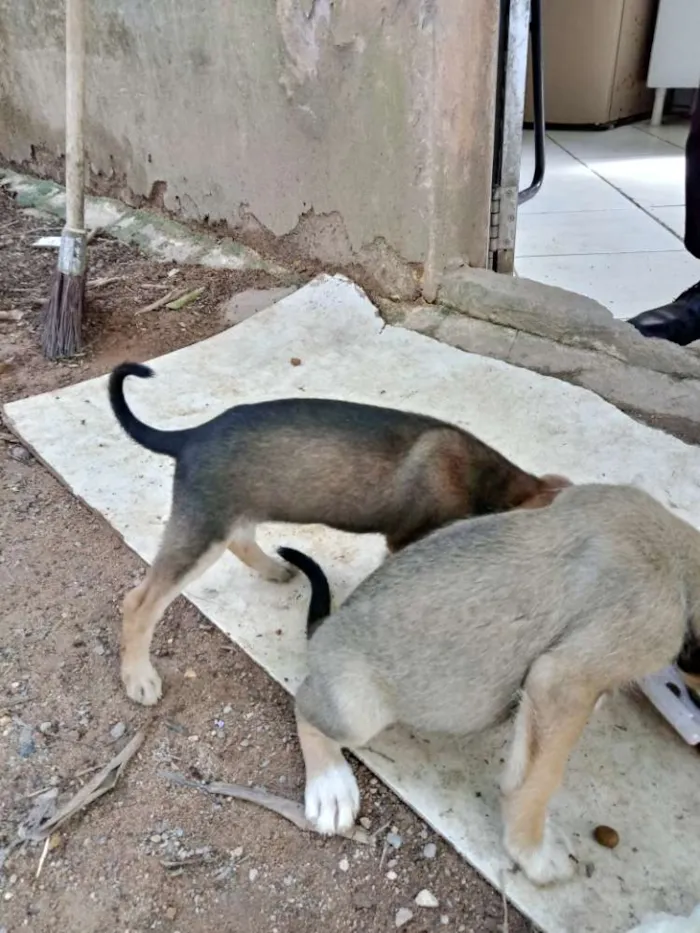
{"points": [[63, 313]]}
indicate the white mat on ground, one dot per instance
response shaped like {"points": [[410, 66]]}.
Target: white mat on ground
{"points": [[630, 771]]}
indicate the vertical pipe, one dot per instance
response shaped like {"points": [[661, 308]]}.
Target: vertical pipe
{"points": [[537, 101]]}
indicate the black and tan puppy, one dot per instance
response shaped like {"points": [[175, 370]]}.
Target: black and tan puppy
{"points": [[545, 611], [353, 467]]}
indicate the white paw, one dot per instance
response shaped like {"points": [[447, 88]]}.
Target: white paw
{"points": [[548, 863], [332, 800], [142, 683]]}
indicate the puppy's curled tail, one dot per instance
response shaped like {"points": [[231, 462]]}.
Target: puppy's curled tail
{"points": [[320, 602], [159, 442]]}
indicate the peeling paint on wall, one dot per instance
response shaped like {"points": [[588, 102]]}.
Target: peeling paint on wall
{"points": [[356, 131], [303, 31]]}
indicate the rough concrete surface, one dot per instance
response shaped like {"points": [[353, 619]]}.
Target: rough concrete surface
{"points": [[298, 117], [244, 304], [164, 239], [560, 315], [559, 333]]}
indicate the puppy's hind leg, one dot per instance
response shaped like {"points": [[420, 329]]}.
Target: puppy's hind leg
{"points": [[553, 712], [247, 550], [184, 555], [332, 797]]}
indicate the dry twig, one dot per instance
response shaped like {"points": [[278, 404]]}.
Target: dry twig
{"points": [[160, 302], [107, 280], [289, 809], [187, 299], [103, 782]]}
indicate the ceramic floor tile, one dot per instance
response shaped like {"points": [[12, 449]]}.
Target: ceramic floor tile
{"points": [[646, 169], [571, 186], [648, 182], [625, 142], [579, 232], [626, 283], [674, 132], [671, 217]]}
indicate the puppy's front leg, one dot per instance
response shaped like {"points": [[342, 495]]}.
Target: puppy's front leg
{"points": [[551, 717]]}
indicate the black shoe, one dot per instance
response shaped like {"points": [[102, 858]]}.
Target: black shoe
{"points": [[678, 322]]}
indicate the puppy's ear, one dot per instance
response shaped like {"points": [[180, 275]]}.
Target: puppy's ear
{"points": [[549, 487]]}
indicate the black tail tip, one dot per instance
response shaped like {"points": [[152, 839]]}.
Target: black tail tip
{"points": [[132, 369], [299, 560], [320, 603]]}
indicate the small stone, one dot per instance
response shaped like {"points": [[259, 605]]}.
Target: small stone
{"points": [[295, 361], [403, 915], [46, 728], [426, 898], [155, 839], [190, 674], [237, 852], [606, 836], [444, 920], [394, 840], [171, 913], [430, 850], [26, 742], [252, 874], [343, 864], [391, 875], [227, 710], [19, 453], [118, 730], [365, 822]]}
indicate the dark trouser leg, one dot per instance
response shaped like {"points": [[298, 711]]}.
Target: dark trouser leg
{"points": [[692, 184], [679, 321]]}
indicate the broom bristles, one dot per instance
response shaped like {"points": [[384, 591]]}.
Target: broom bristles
{"points": [[62, 319]]}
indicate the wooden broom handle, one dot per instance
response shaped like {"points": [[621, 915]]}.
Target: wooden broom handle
{"points": [[75, 112]]}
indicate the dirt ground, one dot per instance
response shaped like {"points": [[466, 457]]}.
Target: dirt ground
{"points": [[150, 856]]}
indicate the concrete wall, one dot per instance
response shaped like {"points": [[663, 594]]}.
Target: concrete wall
{"points": [[359, 130]]}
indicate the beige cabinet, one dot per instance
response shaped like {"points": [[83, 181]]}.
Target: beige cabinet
{"points": [[596, 58]]}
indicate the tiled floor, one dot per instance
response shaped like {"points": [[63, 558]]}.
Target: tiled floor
{"points": [[608, 220]]}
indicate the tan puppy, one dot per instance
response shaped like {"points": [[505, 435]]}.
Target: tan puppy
{"points": [[353, 467], [546, 610]]}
